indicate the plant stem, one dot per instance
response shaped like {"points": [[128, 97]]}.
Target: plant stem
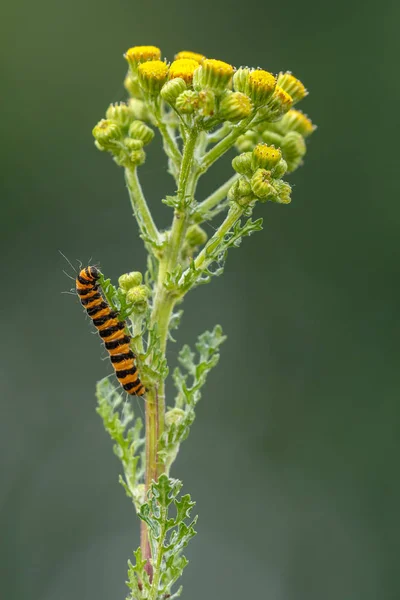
{"points": [[169, 142], [140, 209], [227, 142], [207, 255], [215, 198], [164, 301]]}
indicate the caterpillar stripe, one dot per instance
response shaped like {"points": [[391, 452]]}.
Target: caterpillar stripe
{"points": [[111, 330]]}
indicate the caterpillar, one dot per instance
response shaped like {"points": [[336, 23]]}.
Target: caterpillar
{"points": [[111, 330]]}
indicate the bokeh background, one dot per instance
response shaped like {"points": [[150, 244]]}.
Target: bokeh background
{"points": [[296, 473]]}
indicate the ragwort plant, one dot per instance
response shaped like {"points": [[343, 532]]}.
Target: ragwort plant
{"points": [[202, 108]]}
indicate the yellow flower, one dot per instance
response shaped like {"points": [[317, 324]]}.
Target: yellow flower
{"points": [[191, 55], [279, 103], [215, 74], [152, 76], [266, 157], [260, 86], [295, 120], [139, 54], [292, 86], [183, 68]]}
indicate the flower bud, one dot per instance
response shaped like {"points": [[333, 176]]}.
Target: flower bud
{"points": [[106, 133], [272, 138], [207, 102], [240, 79], [265, 157], [137, 158], [196, 236], [279, 103], [173, 417], [283, 191], [234, 107], [241, 189], [192, 55], [187, 102], [215, 74], [130, 280], [140, 131], [172, 89], [261, 185], [138, 296], [292, 86], [183, 68], [260, 86], [140, 54], [131, 84], [152, 76], [293, 148], [139, 109], [295, 120], [133, 144], [243, 163], [280, 169], [120, 113]]}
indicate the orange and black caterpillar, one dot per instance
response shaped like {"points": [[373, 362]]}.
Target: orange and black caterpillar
{"points": [[111, 330]]}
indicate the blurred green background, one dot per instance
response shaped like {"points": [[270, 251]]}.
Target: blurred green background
{"points": [[295, 474]]}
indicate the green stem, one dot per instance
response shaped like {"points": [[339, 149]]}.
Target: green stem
{"points": [[169, 142], [215, 198], [207, 255], [227, 142], [140, 209]]}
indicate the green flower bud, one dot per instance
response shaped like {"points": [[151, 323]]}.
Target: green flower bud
{"points": [[172, 89], [132, 144], [234, 107], [107, 133], [213, 74], [187, 102], [240, 191], [280, 169], [241, 79], [140, 131], [243, 163], [152, 76], [130, 280], [283, 190], [120, 113], [247, 141], [293, 148], [196, 236], [207, 102], [131, 84], [279, 104], [295, 120], [139, 109], [265, 157], [261, 185], [138, 296], [173, 417], [292, 86]]}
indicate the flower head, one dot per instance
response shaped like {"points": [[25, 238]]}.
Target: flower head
{"points": [[191, 55], [266, 157], [292, 86], [183, 68], [256, 83], [152, 76], [139, 54], [235, 106], [215, 74], [295, 120]]}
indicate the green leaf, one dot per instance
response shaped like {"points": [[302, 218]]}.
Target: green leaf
{"points": [[127, 440], [168, 535], [189, 394]]}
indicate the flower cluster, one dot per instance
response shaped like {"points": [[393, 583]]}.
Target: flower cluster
{"points": [[209, 94]]}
